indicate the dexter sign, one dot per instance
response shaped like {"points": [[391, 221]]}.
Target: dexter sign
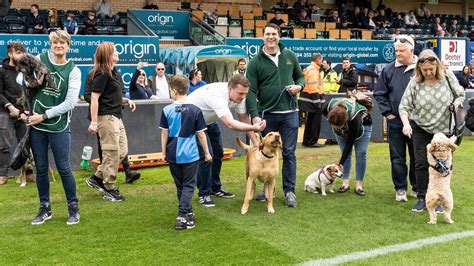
{"points": [[453, 53]]}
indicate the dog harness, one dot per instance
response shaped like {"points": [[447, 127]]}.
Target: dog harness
{"points": [[441, 166], [322, 171]]}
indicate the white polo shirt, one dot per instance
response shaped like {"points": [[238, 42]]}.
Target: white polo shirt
{"points": [[213, 100]]}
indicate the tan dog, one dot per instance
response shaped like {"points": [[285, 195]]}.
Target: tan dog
{"points": [[325, 176], [27, 174], [262, 163], [440, 157]]}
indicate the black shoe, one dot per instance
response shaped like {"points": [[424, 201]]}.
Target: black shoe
{"points": [[190, 220], [261, 197], [95, 182], [113, 195], [331, 142], [74, 216], [223, 194], [44, 214], [343, 189], [359, 191], [315, 145], [131, 177], [419, 206], [181, 223]]}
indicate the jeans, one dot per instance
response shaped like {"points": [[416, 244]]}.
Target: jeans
{"points": [[287, 125], [398, 144], [103, 16], [184, 176], [209, 180], [10, 129], [360, 145], [60, 144], [421, 139]]}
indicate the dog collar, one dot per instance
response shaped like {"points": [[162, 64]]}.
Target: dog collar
{"points": [[441, 166], [322, 171], [269, 157]]}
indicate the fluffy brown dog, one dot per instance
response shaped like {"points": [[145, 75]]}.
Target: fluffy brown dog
{"points": [[262, 163], [440, 157]]}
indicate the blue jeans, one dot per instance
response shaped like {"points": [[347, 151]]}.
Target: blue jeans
{"points": [[398, 144], [209, 180], [287, 125], [360, 145], [60, 144]]}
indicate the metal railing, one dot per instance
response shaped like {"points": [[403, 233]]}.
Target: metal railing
{"points": [[133, 23], [200, 33]]}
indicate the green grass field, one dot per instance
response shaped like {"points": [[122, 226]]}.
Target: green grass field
{"points": [[141, 229]]}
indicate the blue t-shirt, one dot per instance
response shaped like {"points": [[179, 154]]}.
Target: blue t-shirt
{"points": [[182, 120], [193, 87]]}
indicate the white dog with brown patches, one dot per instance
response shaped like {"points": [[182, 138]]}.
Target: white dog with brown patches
{"points": [[262, 164], [325, 176], [440, 158]]}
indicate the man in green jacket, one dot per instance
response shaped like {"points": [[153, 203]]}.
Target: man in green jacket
{"points": [[275, 78]]}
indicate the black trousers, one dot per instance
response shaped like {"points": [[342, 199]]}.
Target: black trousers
{"points": [[185, 176], [421, 139], [312, 128]]}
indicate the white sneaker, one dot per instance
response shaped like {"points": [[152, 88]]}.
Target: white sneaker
{"points": [[401, 195]]}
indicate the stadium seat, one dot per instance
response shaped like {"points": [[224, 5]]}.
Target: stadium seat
{"points": [[76, 13], [13, 11], [122, 14], [16, 28], [108, 22], [115, 30], [3, 28], [103, 30], [25, 11], [12, 19]]}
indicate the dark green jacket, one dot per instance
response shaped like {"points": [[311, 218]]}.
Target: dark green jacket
{"points": [[267, 81]]}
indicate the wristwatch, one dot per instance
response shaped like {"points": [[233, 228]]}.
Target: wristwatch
{"points": [[45, 116]]}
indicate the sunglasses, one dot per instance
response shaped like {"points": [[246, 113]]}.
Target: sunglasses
{"points": [[403, 40], [429, 58], [160, 69], [143, 74]]}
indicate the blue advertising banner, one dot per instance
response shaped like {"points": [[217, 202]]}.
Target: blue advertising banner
{"points": [[359, 51], [166, 24], [131, 50]]}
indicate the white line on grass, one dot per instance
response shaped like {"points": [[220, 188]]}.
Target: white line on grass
{"points": [[390, 249]]}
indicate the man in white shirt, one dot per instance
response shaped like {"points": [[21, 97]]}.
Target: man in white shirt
{"points": [[215, 101], [159, 83]]}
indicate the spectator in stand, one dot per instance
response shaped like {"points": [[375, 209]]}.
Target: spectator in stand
{"points": [[104, 10], [470, 78], [278, 20], [199, 7], [4, 7], [464, 77], [341, 22], [342, 6], [349, 77], [454, 27], [395, 34], [398, 22], [159, 83], [150, 4], [139, 88], [382, 20], [423, 11], [441, 33], [302, 16], [356, 18], [195, 80], [371, 25], [90, 23], [410, 20], [242, 67], [71, 24], [436, 27], [54, 22], [299, 5], [313, 9], [462, 33], [35, 23]]}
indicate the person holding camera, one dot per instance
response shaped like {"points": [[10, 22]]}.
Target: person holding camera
{"points": [[139, 88], [13, 101]]}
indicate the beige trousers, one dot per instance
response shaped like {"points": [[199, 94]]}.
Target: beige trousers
{"points": [[113, 141]]}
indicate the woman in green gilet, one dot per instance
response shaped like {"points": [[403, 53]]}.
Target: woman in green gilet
{"points": [[50, 125], [352, 126]]}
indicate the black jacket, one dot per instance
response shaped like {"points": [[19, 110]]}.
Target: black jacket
{"points": [[470, 116], [32, 21], [10, 91], [349, 80]]}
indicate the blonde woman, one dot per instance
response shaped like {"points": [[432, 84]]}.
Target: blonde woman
{"points": [[106, 120], [139, 88], [424, 111]]}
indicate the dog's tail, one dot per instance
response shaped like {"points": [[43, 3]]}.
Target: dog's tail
{"points": [[242, 144]]}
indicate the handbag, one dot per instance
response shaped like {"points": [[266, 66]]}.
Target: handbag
{"points": [[458, 129], [22, 151]]}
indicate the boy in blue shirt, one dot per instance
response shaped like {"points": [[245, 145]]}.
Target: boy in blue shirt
{"points": [[181, 122]]}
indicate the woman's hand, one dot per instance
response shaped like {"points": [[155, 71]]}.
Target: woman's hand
{"points": [[407, 131], [34, 119], [132, 105], [92, 127]]}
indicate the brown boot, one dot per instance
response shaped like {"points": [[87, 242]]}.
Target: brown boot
{"points": [[3, 180]]}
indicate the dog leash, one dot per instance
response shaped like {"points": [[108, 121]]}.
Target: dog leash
{"points": [[441, 166], [275, 104]]}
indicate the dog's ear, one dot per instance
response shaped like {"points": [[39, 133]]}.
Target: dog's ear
{"points": [[430, 147], [452, 146], [261, 144]]}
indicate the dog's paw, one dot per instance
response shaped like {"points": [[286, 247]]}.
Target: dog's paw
{"points": [[23, 185], [324, 194], [432, 222], [271, 210], [332, 191], [243, 211], [449, 221]]}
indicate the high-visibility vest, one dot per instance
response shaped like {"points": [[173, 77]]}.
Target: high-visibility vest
{"points": [[329, 82], [313, 81]]}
